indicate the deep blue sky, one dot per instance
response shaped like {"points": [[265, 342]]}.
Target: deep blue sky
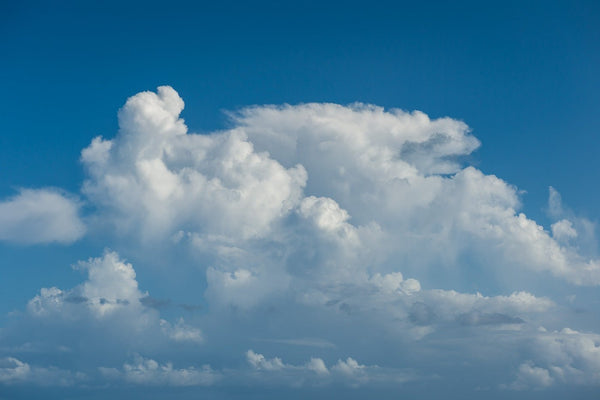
{"points": [[522, 74]]}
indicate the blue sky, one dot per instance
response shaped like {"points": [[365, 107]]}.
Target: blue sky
{"points": [[296, 228]]}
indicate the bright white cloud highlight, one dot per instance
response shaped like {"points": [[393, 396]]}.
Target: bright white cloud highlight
{"points": [[334, 221]]}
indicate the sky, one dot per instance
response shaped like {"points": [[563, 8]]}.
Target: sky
{"points": [[299, 199]]}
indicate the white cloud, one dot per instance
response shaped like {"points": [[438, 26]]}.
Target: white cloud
{"points": [[111, 288], [317, 365], [146, 371], [315, 372], [108, 300], [380, 186], [530, 376], [154, 178], [316, 221], [570, 229], [565, 356], [40, 216], [394, 282], [563, 230], [14, 372], [389, 168], [348, 367], [259, 361], [181, 332]]}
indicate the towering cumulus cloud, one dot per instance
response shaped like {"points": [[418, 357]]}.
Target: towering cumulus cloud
{"points": [[351, 241], [389, 179], [154, 178]]}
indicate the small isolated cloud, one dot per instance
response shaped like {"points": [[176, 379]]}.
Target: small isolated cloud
{"points": [[181, 332], [304, 342], [40, 216]]}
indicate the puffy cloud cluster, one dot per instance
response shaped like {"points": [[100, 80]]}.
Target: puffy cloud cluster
{"points": [[16, 372], [317, 192], [109, 302], [565, 356], [401, 171], [337, 222], [40, 216], [315, 372], [155, 179], [146, 371]]}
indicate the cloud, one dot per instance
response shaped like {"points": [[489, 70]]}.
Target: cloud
{"points": [[111, 288], [146, 371], [570, 229], [360, 226], [181, 332], [402, 171], [315, 372], [563, 230], [531, 376], [293, 195], [154, 178], [259, 361], [105, 311], [35, 216], [16, 372], [566, 356]]}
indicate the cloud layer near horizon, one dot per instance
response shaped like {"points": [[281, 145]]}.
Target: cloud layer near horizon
{"points": [[337, 222]]}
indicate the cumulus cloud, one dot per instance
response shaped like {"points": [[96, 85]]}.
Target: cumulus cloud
{"points": [[316, 193], [563, 230], [146, 371], [181, 332], [402, 171], [106, 310], [315, 372], [531, 376], [565, 356], [570, 229], [40, 216], [259, 361], [316, 220], [154, 178], [16, 372], [111, 288]]}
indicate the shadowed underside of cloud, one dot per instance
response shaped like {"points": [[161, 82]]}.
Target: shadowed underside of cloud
{"points": [[309, 221]]}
